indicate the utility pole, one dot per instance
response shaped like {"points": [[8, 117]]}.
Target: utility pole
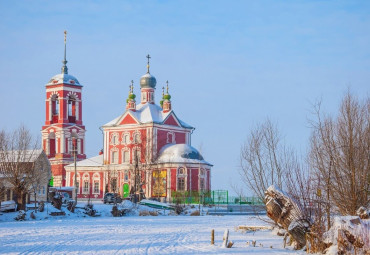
{"points": [[74, 141]]}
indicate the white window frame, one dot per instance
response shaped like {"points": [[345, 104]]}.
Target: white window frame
{"points": [[124, 151], [86, 179], [114, 160], [126, 136], [96, 179]]}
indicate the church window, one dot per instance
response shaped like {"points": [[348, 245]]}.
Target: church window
{"points": [[54, 108], [96, 187], [114, 159], [126, 156], [126, 176], [114, 139], [86, 183], [181, 171], [171, 137], [96, 180], [137, 137], [126, 138], [180, 183], [86, 187], [72, 109], [52, 144]]}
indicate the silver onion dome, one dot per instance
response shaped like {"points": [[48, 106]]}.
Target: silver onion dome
{"points": [[148, 81]]}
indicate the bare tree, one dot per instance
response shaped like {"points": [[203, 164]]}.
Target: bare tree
{"points": [[18, 150], [40, 175], [262, 159], [340, 155]]}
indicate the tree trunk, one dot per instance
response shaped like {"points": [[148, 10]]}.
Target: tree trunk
{"points": [[285, 212]]}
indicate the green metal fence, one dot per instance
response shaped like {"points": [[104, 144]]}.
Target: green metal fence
{"points": [[214, 197]]}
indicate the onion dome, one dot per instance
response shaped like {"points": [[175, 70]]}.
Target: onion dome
{"points": [[130, 101], [148, 80]]}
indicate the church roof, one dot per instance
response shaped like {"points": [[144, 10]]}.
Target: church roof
{"points": [[93, 161], [180, 153], [63, 78], [148, 113]]}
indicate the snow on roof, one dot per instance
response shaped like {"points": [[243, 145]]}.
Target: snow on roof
{"points": [[21, 155], [180, 153], [148, 113], [93, 161], [63, 78]]}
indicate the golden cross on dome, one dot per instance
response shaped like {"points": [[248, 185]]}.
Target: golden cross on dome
{"points": [[162, 92], [65, 36], [167, 87], [148, 57]]}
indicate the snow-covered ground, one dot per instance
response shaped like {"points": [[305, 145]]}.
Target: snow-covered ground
{"points": [[76, 234]]}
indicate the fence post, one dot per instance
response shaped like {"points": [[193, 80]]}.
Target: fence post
{"points": [[213, 236]]}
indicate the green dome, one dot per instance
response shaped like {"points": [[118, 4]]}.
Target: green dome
{"points": [[131, 96], [167, 97]]}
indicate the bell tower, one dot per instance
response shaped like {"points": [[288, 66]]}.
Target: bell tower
{"points": [[63, 135]]}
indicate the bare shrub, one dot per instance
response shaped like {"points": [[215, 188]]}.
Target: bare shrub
{"points": [[262, 159], [340, 149]]}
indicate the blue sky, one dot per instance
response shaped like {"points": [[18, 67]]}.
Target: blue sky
{"points": [[230, 64]]}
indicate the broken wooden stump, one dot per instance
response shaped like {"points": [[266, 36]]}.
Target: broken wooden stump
{"points": [[285, 212]]}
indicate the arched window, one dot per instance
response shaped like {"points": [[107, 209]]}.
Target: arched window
{"points": [[136, 137], [126, 138], [126, 156], [72, 109], [114, 156], [114, 139], [55, 108], [52, 144], [96, 181], [181, 178], [86, 183]]}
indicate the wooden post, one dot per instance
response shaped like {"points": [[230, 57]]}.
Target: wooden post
{"points": [[213, 237], [225, 238]]}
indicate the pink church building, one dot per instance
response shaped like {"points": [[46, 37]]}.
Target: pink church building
{"points": [[147, 149]]}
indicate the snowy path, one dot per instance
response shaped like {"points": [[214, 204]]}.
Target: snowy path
{"points": [[135, 235]]}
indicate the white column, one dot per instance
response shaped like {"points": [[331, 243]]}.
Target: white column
{"points": [[62, 142], [77, 110], [47, 146], [56, 144], [50, 109]]}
